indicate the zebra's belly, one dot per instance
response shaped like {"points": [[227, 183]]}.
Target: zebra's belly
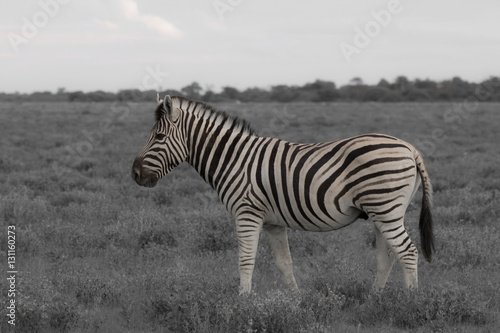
{"points": [[311, 223]]}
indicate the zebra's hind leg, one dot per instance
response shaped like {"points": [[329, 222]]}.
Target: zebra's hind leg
{"points": [[278, 240], [398, 240], [385, 261]]}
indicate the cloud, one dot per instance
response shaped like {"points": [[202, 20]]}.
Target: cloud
{"points": [[153, 22], [107, 24]]}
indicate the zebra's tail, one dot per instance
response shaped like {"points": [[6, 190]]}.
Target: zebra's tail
{"points": [[425, 224]]}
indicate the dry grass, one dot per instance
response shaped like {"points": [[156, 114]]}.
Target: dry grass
{"points": [[97, 253]]}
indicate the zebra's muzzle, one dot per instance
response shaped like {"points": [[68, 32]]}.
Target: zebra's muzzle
{"points": [[143, 177], [151, 180]]}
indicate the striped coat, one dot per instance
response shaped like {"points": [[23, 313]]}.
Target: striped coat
{"points": [[271, 184]]}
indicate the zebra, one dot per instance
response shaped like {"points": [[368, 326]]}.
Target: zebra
{"points": [[271, 184]]}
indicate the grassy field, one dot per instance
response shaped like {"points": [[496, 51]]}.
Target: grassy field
{"points": [[97, 253]]}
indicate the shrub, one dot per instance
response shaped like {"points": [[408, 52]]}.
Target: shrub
{"points": [[20, 208], [465, 247], [156, 236], [41, 306], [378, 94], [432, 307]]}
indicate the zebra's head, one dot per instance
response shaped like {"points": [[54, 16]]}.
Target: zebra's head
{"points": [[165, 149]]}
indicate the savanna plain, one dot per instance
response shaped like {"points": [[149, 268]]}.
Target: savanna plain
{"points": [[97, 253]]}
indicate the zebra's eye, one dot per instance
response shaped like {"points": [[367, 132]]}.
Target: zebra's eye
{"points": [[160, 136]]}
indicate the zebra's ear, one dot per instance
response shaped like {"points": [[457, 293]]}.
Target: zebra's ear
{"points": [[164, 107], [167, 105]]}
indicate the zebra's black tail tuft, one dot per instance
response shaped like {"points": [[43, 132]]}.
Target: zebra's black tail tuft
{"points": [[425, 224]]}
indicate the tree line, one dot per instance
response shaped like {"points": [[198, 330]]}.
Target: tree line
{"points": [[400, 90]]}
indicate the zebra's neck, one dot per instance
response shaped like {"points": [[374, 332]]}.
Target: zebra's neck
{"points": [[212, 137]]}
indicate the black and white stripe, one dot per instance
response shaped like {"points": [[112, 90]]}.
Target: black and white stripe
{"points": [[272, 184]]}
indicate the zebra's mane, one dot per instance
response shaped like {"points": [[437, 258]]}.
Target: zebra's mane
{"points": [[208, 112]]}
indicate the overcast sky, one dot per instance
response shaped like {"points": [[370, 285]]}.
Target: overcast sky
{"points": [[115, 44]]}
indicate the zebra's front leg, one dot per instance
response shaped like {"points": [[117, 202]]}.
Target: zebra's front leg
{"points": [[278, 240], [247, 230]]}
